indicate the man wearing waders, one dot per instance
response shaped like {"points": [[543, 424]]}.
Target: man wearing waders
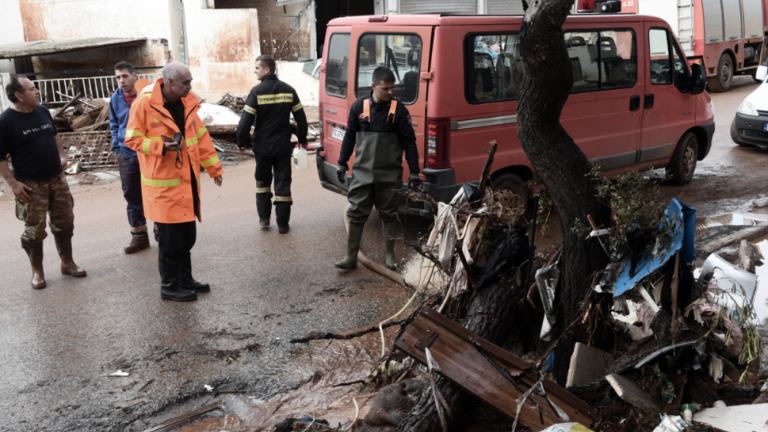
{"points": [[380, 128], [270, 104]]}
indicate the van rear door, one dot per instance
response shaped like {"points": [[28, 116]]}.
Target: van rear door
{"points": [[406, 51], [667, 112]]}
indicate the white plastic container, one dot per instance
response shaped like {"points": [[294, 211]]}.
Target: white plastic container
{"points": [[300, 159]]}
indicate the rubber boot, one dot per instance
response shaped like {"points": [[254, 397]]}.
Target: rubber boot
{"points": [[186, 280], [353, 246], [68, 266], [35, 253], [169, 286], [388, 231]]}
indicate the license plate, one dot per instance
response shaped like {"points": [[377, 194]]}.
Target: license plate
{"points": [[338, 133], [765, 127]]}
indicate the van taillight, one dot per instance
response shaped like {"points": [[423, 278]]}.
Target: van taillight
{"points": [[438, 143], [320, 123], [585, 6]]}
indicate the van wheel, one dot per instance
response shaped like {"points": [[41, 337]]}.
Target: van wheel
{"points": [[512, 189], [722, 81], [735, 136], [683, 162]]}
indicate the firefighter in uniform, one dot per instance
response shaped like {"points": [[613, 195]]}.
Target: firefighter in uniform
{"points": [[271, 103], [172, 144], [380, 128]]}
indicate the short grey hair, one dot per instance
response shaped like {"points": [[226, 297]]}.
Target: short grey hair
{"points": [[171, 71]]}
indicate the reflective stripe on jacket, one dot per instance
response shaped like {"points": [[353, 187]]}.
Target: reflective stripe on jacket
{"points": [[269, 106], [166, 189]]}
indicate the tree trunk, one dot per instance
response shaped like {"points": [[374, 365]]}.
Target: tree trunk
{"points": [[489, 316], [559, 163]]}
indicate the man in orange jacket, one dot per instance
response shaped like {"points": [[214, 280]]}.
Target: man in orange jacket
{"points": [[172, 143]]}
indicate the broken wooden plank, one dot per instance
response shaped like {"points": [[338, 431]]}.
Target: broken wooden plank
{"points": [[474, 364], [678, 382], [69, 104]]}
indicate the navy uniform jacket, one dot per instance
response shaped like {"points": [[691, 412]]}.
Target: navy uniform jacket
{"points": [[270, 104], [402, 127]]}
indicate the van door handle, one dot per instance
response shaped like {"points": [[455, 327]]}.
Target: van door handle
{"points": [[634, 103], [649, 99]]}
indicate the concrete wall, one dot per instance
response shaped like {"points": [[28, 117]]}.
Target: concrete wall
{"points": [[222, 46], [65, 19], [11, 29]]}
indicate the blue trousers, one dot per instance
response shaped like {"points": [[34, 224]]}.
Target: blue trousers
{"points": [[130, 175]]}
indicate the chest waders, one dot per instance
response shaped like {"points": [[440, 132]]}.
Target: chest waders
{"points": [[377, 174]]}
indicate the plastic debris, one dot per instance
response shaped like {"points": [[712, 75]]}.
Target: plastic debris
{"points": [[671, 424], [208, 388], [119, 373]]}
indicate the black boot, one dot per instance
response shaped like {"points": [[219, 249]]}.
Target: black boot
{"points": [[170, 288], [264, 208], [186, 280], [283, 214]]}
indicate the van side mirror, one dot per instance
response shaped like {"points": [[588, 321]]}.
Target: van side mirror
{"points": [[762, 71], [697, 83]]}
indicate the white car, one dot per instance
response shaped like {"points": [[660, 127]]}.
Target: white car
{"points": [[750, 126]]}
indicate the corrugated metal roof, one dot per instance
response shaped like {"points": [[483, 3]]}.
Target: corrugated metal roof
{"points": [[36, 48]]}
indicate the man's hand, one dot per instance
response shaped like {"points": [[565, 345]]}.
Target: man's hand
{"points": [[20, 191], [341, 173], [64, 161], [414, 181], [304, 145], [170, 146], [219, 180]]}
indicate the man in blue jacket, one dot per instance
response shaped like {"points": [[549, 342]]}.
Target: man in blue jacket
{"points": [[119, 109]]}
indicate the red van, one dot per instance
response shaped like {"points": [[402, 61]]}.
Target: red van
{"points": [[636, 102]]}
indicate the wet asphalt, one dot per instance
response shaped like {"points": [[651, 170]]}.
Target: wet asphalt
{"points": [[58, 345]]}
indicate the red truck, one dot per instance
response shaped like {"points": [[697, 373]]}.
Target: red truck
{"points": [[728, 37]]}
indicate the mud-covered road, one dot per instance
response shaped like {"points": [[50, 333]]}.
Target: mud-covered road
{"points": [[58, 345]]}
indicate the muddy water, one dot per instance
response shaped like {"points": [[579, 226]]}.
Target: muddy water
{"points": [[333, 373], [756, 216]]}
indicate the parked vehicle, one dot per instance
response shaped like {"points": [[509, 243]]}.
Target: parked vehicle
{"points": [[750, 125], [635, 102], [727, 36]]}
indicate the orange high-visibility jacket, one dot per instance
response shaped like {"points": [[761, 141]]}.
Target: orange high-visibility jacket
{"points": [[166, 189]]}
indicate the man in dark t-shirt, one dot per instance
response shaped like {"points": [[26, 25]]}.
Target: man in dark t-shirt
{"points": [[28, 135]]}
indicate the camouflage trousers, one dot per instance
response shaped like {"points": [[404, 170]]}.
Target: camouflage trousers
{"points": [[47, 196]]}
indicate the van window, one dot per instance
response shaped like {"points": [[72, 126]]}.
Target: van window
{"points": [[401, 53], [602, 60], [661, 70], [494, 68], [337, 65]]}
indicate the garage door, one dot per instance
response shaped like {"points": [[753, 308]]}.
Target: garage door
{"points": [[464, 7], [505, 7]]}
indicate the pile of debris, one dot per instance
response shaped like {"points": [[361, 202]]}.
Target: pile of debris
{"points": [[684, 352], [81, 115], [235, 103]]}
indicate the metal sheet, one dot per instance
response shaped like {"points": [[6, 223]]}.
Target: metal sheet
{"points": [[713, 21], [504, 7], [753, 18], [732, 19], [466, 7], [472, 369]]}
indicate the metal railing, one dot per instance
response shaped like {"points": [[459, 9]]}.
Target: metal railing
{"points": [[54, 92]]}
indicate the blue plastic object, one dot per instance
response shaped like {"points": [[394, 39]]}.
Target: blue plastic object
{"points": [[684, 240]]}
